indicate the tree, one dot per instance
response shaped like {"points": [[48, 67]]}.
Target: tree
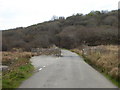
{"points": [[54, 18]]}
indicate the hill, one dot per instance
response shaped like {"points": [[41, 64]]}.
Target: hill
{"points": [[94, 28]]}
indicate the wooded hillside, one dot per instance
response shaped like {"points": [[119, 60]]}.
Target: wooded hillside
{"points": [[95, 28]]}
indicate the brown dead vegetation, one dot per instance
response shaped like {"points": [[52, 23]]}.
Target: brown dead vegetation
{"points": [[103, 57]]}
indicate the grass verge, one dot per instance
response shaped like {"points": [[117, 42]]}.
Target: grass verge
{"points": [[98, 68], [17, 72], [114, 81]]}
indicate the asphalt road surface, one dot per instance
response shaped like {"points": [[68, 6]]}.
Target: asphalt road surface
{"points": [[69, 71]]}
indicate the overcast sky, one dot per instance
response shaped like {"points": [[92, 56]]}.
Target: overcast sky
{"points": [[17, 13]]}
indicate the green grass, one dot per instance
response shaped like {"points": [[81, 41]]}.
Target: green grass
{"points": [[115, 82], [15, 77]]}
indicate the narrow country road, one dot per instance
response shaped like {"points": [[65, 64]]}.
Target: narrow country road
{"points": [[69, 71]]}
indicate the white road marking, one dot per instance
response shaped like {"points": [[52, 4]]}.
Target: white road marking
{"points": [[40, 69]]}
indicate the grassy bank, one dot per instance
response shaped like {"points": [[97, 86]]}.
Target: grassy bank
{"points": [[104, 59], [19, 68], [100, 69]]}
